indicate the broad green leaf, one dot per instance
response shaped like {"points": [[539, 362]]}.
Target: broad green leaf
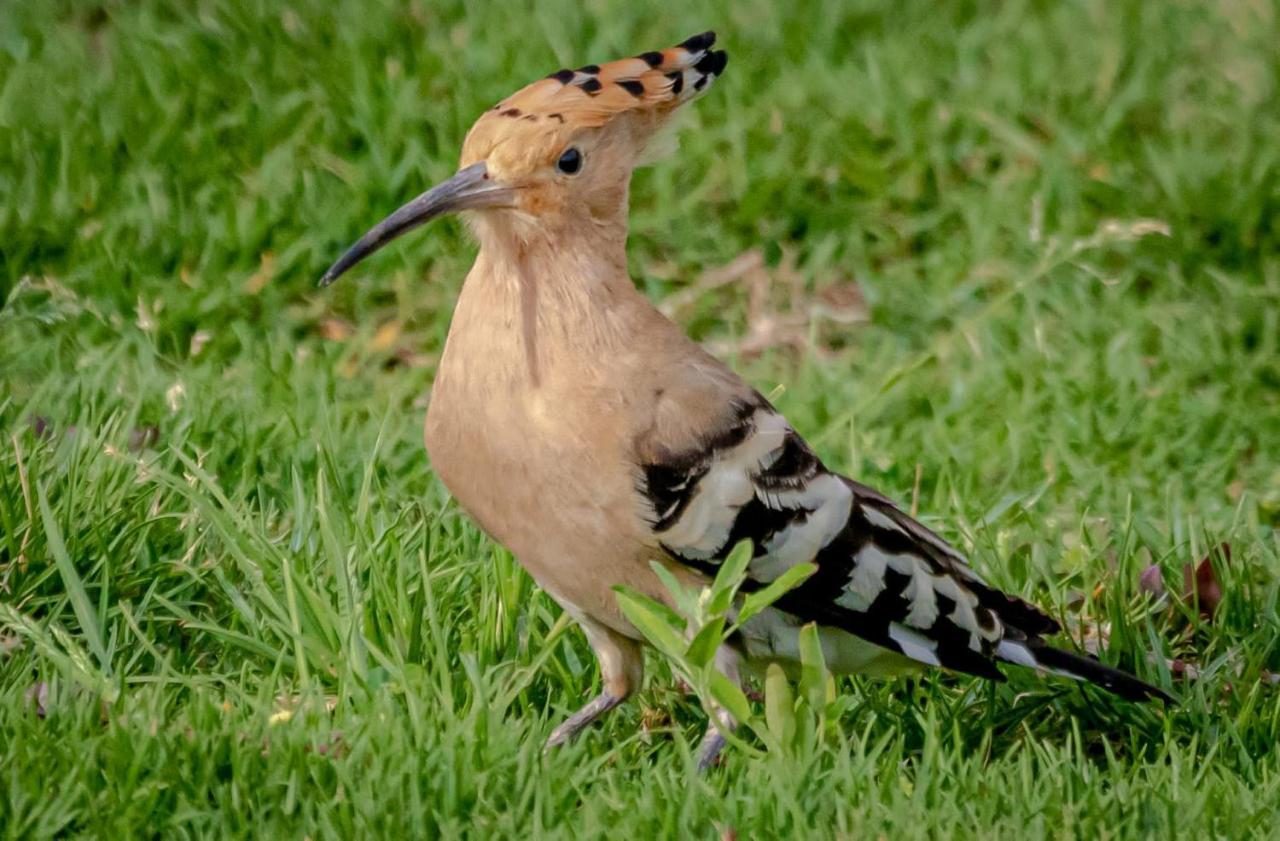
{"points": [[730, 696], [730, 577], [779, 705], [813, 667], [686, 600], [783, 584], [703, 648], [654, 620]]}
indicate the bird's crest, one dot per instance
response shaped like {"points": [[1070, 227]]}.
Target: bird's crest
{"points": [[594, 93], [647, 87]]}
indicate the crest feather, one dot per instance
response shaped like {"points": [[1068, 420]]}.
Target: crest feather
{"points": [[591, 95]]}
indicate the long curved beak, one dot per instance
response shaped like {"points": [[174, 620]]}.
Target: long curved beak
{"points": [[469, 189]]}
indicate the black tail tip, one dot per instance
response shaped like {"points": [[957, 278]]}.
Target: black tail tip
{"points": [[1134, 689], [713, 63], [699, 42], [1095, 671]]}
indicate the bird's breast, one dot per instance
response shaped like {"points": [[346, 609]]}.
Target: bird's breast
{"points": [[544, 468]]}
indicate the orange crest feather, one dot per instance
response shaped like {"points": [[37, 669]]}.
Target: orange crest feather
{"points": [[652, 83]]}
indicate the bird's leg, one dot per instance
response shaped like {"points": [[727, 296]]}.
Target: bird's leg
{"points": [[621, 670], [592, 710], [728, 661], [713, 741]]}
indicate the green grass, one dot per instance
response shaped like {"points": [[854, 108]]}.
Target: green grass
{"points": [[252, 609]]}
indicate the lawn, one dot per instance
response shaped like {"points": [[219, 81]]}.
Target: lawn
{"points": [[1016, 264]]}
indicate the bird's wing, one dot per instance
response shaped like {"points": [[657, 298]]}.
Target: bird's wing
{"points": [[881, 574]]}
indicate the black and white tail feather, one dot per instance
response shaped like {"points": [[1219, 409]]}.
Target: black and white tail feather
{"points": [[881, 575]]}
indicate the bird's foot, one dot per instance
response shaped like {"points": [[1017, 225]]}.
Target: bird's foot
{"points": [[709, 749], [571, 726]]}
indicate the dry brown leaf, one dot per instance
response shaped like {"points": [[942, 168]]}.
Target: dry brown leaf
{"points": [[335, 329], [1200, 583], [1151, 580], [411, 358], [765, 331], [37, 697], [385, 337], [748, 261], [259, 279], [842, 303], [781, 311]]}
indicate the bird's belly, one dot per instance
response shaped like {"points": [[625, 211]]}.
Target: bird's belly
{"points": [[553, 489], [774, 637]]}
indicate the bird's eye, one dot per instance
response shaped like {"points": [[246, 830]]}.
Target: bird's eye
{"points": [[570, 162]]}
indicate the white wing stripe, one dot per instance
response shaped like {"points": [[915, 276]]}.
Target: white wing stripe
{"points": [[705, 524], [879, 518], [914, 645], [1016, 652], [829, 501], [866, 581], [920, 592]]}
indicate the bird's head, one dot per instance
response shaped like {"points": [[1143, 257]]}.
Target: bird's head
{"points": [[558, 154]]}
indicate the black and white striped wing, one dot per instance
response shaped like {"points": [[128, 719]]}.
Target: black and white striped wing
{"points": [[881, 575]]}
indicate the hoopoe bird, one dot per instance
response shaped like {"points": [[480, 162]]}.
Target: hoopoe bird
{"points": [[588, 434]]}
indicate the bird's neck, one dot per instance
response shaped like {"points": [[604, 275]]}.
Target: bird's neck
{"points": [[580, 242], [540, 298]]}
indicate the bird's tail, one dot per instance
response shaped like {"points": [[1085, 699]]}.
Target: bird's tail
{"points": [[1037, 653]]}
